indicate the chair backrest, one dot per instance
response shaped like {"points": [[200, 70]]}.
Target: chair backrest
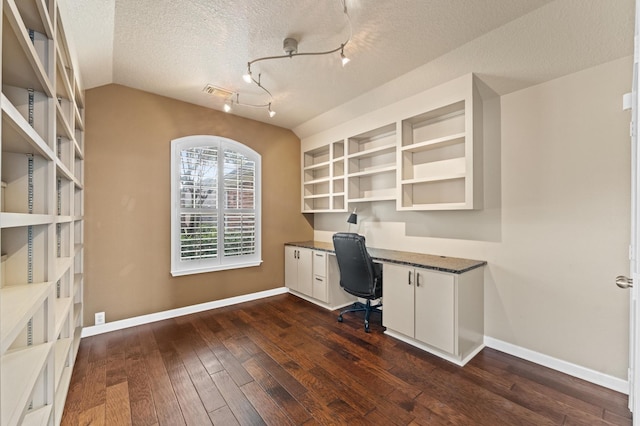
{"points": [[358, 274]]}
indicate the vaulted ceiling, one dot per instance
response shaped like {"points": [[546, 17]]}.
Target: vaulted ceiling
{"points": [[176, 47]]}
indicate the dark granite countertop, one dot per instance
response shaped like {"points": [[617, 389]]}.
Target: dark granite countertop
{"points": [[454, 265]]}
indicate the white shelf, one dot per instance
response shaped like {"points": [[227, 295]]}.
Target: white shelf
{"points": [[369, 199], [18, 136], [20, 371], [63, 219], [434, 143], [316, 181], [27, 69], [434, 206], [14, 220], [38, 417], [374, 171], [317, 166], [388, 148], [434, 178], [315, 196], [35, 15], [63, 170], [18, 303]]}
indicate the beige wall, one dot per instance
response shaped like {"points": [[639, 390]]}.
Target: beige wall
{"points": [[127, 187], [555, 227]]}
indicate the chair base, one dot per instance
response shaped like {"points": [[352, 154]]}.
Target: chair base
{"points": [[359, 307]]}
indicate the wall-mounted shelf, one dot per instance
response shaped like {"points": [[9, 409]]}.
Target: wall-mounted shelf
{"points": [[323, 179], [430, 158]]}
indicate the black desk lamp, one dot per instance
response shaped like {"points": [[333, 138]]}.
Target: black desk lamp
{"points": [[353, 219]]}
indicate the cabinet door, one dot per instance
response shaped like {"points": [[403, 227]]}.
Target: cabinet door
{"points": [[305, 271], [291, 267], [435, 309], [397, 298]]}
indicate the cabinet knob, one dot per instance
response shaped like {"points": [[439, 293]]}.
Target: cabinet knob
{"points": [[409, 280], [417, 279]]}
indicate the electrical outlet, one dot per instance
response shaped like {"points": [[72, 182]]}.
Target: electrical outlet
{"points": [[100, 318]]}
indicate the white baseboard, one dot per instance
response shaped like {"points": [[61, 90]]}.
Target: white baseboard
{"points": [[574, 370], [172, 313]]}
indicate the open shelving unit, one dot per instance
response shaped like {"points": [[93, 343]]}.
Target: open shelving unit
{"points": [[435, 172], [428, 158], [41, 215], [323, 176], [371, 165]]}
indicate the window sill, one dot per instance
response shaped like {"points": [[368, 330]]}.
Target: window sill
{"points": [[191, 271]]}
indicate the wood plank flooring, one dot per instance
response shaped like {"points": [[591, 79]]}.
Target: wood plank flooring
{"points": [[284, 361]]}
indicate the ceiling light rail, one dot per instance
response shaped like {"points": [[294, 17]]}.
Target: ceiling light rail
{"points": [[290, 47], [229, 103]]}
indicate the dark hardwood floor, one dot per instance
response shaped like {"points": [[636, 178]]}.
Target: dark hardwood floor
{"points": [[282, 361]]}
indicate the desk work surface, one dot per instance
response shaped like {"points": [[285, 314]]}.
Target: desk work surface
{"points": [[454, 265]]}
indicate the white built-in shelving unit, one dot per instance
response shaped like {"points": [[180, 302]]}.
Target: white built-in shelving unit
{"points": [[426, 155], [371, 165], [41, 217], [323, 181]]}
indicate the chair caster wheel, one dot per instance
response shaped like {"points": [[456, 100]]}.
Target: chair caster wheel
{"points": [[340, 318]]}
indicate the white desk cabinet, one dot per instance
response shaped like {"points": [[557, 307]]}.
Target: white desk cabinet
{"points": [[298, 269], [437, 311], [314, 276]]}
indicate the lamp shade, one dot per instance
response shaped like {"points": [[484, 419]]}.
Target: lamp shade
{"points": [[353, 218]]}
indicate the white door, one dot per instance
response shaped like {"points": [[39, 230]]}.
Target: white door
{"points": [[634, 317]]}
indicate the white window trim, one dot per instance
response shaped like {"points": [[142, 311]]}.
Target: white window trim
{"points": [[180, 267]]}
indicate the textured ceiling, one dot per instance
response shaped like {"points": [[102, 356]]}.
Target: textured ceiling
{"points": [[174, 48]]}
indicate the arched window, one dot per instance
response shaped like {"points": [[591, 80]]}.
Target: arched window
{"points": [[215, 205]]}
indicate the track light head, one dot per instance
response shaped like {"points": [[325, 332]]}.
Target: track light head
{"points": [[271, 112], [227, 107]]}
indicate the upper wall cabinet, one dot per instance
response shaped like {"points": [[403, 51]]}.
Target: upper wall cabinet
{"points": [[427, 156]]}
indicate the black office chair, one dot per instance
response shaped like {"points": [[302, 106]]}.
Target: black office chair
{"points": [[359, 275]]}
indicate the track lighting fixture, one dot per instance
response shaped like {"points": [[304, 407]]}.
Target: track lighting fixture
{"points": [[290, 47], [230, 101]]}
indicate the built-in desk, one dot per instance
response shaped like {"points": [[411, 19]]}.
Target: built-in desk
{"points": [[453, 265], [433, 302]]}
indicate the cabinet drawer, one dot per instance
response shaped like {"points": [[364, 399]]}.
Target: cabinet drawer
{"points": [[320, 263], [320, 290]]}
